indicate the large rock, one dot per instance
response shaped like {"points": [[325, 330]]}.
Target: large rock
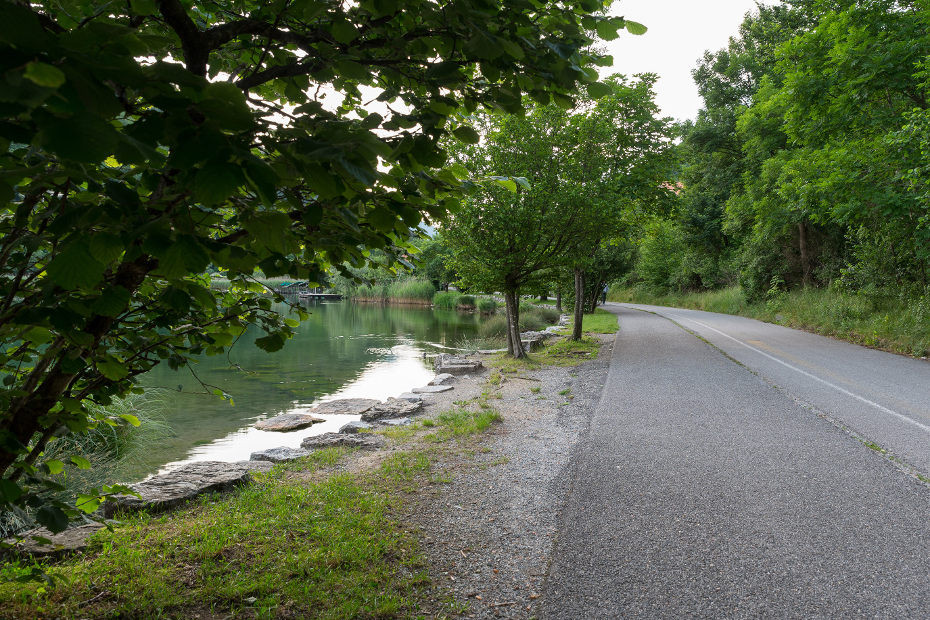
{"points": [[365, 441], [456, 365], [288, 422], [442, 379], [392, 408], [279, 455], [63, 543], [176, 487], [432, 389], [533, 340], [355, 427], [410, 397], [346, 406]]}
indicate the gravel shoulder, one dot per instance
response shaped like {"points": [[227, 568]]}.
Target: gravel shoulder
{"points": [[488, 532]]}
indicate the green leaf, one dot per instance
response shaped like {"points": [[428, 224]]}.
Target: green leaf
{"points": [[563, 101], [87, 503], [596, 90], [106, 247], [270, 230], [52, 518], [466, 134], [635, 28], [215, 182], [81, 462], [270, 343], [112, 369], [9, 491], [343, 31], [75, 268], [144, 7], [83, 138], [133, 420], [44, 74], [607, 30], [54, 466], [113, 300]]}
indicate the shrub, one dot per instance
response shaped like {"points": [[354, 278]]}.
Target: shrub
{"points": [[447, 300], [412, 289], [495, 326], [467, 301], [487, 305]]}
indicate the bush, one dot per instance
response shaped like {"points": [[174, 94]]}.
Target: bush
{"points": [[494, 327], [447, 300], [411, 290], [487, 305], [467, 301]]}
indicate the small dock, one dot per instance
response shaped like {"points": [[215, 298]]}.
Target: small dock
{"points": [[319, 296]]}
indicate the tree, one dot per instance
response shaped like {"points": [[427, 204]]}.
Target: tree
{"points": [[584, 168], [143, 142]]}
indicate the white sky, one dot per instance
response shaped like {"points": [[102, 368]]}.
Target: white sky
{"points": [[679, 33]]}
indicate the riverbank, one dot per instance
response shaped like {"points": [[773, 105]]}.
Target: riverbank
{"points": [[448, 516], [880, 322]]}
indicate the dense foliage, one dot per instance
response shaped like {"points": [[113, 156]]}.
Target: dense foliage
{"points": [[808, 163], [143, 142], [584, 173]]}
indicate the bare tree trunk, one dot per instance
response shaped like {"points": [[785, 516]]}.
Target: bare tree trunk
{"points": [[579, 304], [514, 344], [558, 298], [805, 256]]}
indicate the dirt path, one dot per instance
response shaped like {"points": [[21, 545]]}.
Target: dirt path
{"points": [[488, 533]]}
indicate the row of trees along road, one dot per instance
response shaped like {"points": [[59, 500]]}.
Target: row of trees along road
{"points": [[143, 141], [808, 164], [576, 178]]}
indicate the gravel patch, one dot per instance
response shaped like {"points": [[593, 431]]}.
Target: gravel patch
{"points": [[488, 534]]}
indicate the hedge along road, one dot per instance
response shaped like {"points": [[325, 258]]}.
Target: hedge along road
{"points": [[726, 473]]}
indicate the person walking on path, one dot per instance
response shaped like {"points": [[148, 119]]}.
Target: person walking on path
{"points": [[604, 295]]}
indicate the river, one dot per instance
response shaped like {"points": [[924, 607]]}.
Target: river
{"points": [[344, 350]]}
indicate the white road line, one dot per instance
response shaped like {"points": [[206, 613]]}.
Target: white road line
{"points": [[881, 408]]}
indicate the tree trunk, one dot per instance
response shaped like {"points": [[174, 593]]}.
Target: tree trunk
{"points": [[514, 344], [558, 298], [805, 255], [592, 303], [579, 304]]}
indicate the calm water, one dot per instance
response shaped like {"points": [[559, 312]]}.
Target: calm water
{"points": [[344, 350]]}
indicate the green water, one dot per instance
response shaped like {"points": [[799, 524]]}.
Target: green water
{"points": [[344, 350]]}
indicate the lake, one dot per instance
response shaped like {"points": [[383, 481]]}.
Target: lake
{"points": [[344, 350]]}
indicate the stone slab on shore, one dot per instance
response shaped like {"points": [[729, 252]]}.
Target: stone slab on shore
{"points": [[166, 491], [70, 541], [392, 408], [288, 422], [279, 455], [365, 441], [456, 365], [432, 389], [346, 406]]}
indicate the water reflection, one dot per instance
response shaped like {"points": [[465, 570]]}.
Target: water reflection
{"points": [[343, 351]]}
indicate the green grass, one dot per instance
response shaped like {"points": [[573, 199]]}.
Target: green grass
{"points": [[563, 352], [411, 290], [284, 545], [601, 322], [880, 321], [461, 423], [301, 541], [446, 300], [467, 301]]}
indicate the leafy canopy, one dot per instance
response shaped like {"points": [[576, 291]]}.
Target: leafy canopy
{"points": [[143, 142]]}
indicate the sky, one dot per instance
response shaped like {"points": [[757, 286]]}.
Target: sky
{"points": [[679, 33]]}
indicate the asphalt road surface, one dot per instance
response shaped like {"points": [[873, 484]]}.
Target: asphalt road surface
{"points": [[731, 470]]}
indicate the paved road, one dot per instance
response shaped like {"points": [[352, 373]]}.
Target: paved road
{"points": [[716, 486]]}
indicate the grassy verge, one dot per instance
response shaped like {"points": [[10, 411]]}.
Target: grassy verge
{"points": [[884, 322], [304, 540], [601, 322]]}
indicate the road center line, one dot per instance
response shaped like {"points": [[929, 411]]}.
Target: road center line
{"points": [[881, 408]]}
